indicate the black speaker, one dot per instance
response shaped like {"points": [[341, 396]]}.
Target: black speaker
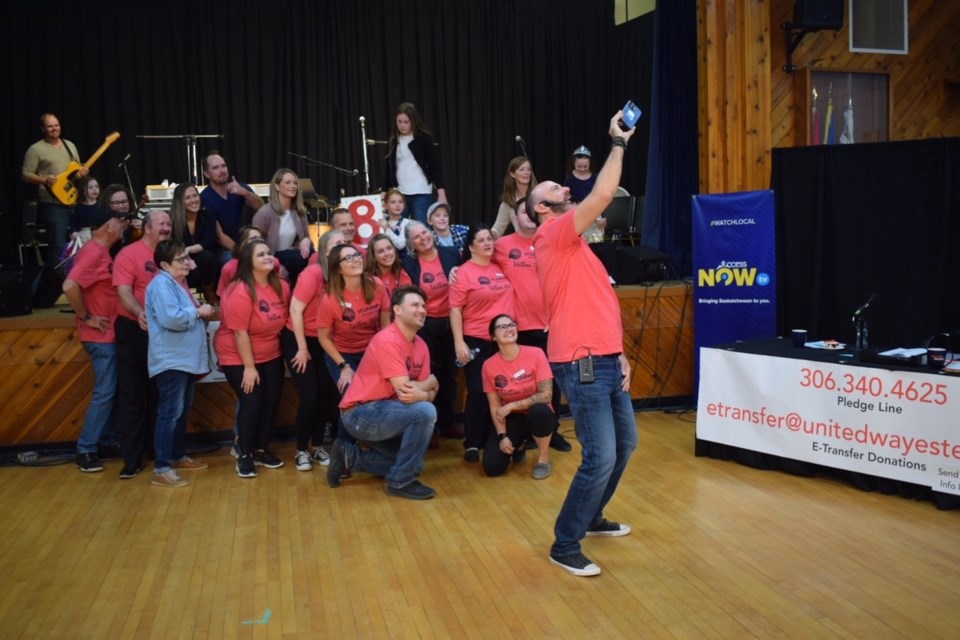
{"points": [[16, 290], [634, 265], [818, 14]]}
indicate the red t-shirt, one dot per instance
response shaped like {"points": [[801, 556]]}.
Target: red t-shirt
{"points": [[261, 320], [516, 379], [391, 283], [354, 321], [310, 287], [583, 312], [516, 257], [390, 355], [481, 293], [433, 280], [134, 267], [93, 271]]}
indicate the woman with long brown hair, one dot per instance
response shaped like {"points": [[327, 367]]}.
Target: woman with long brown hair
{"points": [[198, 232], [253, 311], [517, 182], [354, 308], [413, 163]]}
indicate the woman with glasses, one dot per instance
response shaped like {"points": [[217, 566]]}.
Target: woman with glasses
{"points": [[354, 308], [253, 310], [481, 291], [199, 233], [519, 385], [176, 355], [117, 198]]}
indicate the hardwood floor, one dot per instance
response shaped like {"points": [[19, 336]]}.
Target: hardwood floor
{"points": [[717, 550]]}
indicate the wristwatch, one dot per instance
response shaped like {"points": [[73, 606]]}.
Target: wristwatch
{"points": [[501, 436], [343, 365]]}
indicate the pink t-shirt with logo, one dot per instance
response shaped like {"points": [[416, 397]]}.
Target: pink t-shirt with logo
{"points": [[134, 267], [354, 321], [390, 355], [516, 379], [481, 292], [261, 319], [433, 280], [583, 312], [310, 288], [516, 257], [93, 271]]}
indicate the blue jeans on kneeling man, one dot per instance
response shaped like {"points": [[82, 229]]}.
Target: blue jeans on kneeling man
{"points": [[398, 435]]}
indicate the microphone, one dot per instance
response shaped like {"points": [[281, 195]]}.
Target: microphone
{"points": [[523, 147], [362, 119], [124, 161], [355, 172], [863, 307], [371, 142]]}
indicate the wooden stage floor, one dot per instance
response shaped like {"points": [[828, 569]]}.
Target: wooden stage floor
{"points": [[717, 550]]}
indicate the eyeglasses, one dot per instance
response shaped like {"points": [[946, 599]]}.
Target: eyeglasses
{"points": [[353, 257], [124, 201], [505, 326], [183, 259]]}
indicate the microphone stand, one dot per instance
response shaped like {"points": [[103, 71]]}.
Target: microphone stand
{"points": [[320, 163], [136, 203], [860, 324], [366, 162], [193, 169]]}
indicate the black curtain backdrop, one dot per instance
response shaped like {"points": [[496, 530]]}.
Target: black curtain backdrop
{"points": [[853, 220], [295, 76], [673, 162]]}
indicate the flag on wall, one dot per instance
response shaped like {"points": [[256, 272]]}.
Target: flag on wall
{"points": [[847, 136], [828, 127], [815, 138]]}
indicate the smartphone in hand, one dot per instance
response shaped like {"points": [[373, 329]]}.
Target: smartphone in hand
{"points": [[631, 114]]}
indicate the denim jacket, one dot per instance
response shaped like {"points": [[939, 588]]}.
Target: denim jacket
{"points": [[178, 338]]}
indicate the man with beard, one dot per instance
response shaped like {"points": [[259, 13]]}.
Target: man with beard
{"points": [[226, 199], [388, 404], [133, 269], [585, 350]]}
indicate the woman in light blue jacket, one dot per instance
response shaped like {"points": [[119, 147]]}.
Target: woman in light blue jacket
{"points": [[176, 355]]}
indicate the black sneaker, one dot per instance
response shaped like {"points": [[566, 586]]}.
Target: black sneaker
{"points": [[338, 463], [246, 468], [267, 459], [130, 471], [109, 452], [472, 455], [416, 490], [577, 564], [559, 443], [88, 462], [608, 529]]}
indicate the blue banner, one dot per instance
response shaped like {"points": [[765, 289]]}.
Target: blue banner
{"points": [[734, 269]]}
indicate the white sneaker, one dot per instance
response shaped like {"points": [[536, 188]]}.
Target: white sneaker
{"points": [[321, 457], [303, 461]]}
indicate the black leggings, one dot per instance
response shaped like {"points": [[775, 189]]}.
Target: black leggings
{"points": [[537, 422], [258, 409]]}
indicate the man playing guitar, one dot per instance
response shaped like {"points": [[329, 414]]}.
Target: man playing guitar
{"points": [[44, 161]]}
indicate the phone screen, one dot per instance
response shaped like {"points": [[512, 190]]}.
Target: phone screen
{"points": [[631, 114]]}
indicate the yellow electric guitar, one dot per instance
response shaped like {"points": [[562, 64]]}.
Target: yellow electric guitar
{"points": [[64, 188]]}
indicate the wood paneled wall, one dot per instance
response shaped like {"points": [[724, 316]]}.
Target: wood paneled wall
{"points": [[46, 376], [749, 105]]}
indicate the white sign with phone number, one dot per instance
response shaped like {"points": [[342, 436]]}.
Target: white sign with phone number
{"points": [[901, 425]]}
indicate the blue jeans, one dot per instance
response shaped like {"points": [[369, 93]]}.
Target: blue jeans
{"points": [[607, 430], [175, 391], [101, 412], [417, 205], [398, 434], [56, 219]]}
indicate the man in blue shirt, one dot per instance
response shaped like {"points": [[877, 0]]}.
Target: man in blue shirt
{"points": [[226, 199]]}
